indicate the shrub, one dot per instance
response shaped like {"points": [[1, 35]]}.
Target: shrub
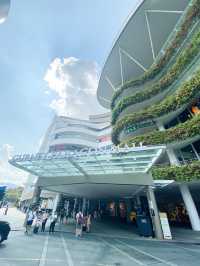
{"points": [[186, 172], [183, 131], [186, 94], [182, 62]]}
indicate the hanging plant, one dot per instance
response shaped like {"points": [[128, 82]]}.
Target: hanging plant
{"points": [[183, 131], [185, 58], [188, 172]]}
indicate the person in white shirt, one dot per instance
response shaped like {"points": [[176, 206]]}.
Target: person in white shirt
{"points": [[29, 221], [45, 217]]}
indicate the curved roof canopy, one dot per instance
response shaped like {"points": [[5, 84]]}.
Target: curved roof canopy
{"points": [[139, 43], [93, 173], [4, 9]]}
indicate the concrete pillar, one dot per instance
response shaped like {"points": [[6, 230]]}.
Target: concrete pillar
{"points": [[172, 157], [79, 205], [170, 152], [55, 204], [88, 206], [154, 213], [74, 208], [36, 195], [84, 206], [67, 208], [190, 206]]}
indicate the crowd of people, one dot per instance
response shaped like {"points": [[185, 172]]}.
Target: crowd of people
{"points": [[36, 221]]}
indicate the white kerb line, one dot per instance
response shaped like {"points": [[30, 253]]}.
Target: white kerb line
{"points": [[44, 252], [67, 253], [123, 253], [147, 254]]}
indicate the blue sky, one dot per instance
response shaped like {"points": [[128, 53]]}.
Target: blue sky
{"points": [[36, 36]]}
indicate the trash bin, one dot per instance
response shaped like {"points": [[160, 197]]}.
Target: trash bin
{"points": [[144, 225]]}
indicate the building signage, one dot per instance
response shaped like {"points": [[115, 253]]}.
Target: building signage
{"points": [[80, 153]]}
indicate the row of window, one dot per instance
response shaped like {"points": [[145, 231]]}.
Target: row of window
{"points": [[82, 126], [77, 135]]}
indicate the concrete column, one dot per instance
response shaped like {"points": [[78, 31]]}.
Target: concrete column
{"points": [[154, 213], [79, 204], [88, 206], [172, 157], [67, 208], [74, 208], [36, 195], [84, 205], [190, 206], [56, 201]]}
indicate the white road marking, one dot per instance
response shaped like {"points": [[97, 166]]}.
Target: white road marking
{"points": [[188, 249], [123, 252], [96, 264], [147, 254], [44, 252], [30, 259], [67, 253]]}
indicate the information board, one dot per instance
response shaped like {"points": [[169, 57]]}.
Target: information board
{"points": [[165, 225]]}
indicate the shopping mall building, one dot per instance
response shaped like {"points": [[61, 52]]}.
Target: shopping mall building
{"points": [[150, 82]]}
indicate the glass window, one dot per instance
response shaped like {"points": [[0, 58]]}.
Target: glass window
{"points": [[196, 145], [172, 123], [188, 153], [184, 116]]}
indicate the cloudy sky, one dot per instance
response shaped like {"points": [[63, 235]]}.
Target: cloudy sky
{"points": [[51, 55]]}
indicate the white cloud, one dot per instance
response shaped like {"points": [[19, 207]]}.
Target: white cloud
{"points": [[8, 173], [74, 82]]}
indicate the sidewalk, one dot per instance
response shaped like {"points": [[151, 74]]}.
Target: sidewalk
{"points": [[111, 230], [105, 228], [14, 217]]}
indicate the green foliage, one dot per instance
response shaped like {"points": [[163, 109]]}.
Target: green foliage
{"points": [[186, 172], [14, 194], [189, 129], [190, 18], [186, 94], [182, 62]]}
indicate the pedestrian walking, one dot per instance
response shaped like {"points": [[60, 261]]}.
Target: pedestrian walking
{"points": [[62, 215], [45, 217], [88, 223], [53, 220], [6, 209], [29, 222], [79, 224], [37, 222]]}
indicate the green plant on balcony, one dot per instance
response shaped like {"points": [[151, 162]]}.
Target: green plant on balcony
{"points": [[190, 18], [182, 62], [186, 172], [181, 132], [185, 95]]}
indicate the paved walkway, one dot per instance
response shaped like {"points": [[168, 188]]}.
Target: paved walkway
{"points": [[103, 229], [91, 250]]}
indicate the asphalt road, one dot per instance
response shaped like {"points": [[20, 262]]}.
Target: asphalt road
{"points": [[92, 250], [65, 249]]}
